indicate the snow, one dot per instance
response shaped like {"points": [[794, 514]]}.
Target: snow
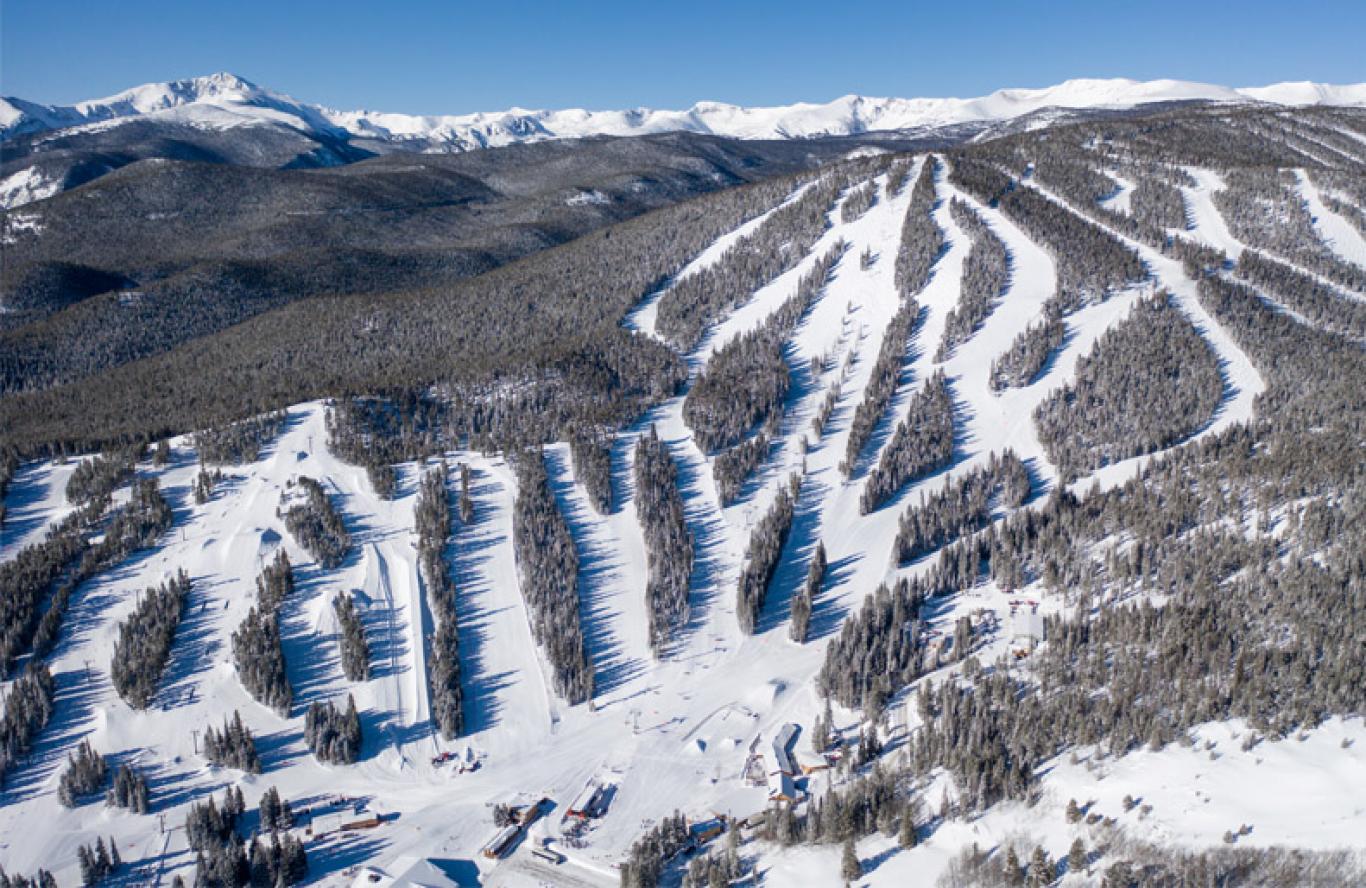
{"points": [[24, 187], [845, 115], [1299, 793], [646, 313], [1242, 382], [17, 225], [587, 198], [1207, 225], [1119, 201], [669, 733], [1341, 236]]}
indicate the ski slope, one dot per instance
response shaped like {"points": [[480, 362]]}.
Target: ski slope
{"points": [[670, 733]]}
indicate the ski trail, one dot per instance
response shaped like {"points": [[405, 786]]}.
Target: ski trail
{"points": [[611, 588], [1119, 201], [527, 709], [645, 314], [35, 501], [1242, 381], [1005, 419], [1207, 223], [1340, 235], [378, 584]]}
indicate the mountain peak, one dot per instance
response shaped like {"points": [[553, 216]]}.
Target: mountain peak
{"points": [[224, 99]]}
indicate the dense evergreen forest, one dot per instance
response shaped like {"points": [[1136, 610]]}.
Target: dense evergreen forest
{"points": [[1222, 578]]}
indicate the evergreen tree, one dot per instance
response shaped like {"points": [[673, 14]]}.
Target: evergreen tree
{"points": [[850, 867]]}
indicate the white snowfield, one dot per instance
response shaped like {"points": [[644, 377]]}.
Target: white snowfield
{"points": [[668, 734], [226, 100]]}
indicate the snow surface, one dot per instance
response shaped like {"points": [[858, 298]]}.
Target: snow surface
{"points": [[26, 186], [1341, 236], [846, 115], [670, 733]]}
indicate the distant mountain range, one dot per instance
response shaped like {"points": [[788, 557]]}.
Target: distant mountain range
{"points": [[225, 101], [223, 119]]}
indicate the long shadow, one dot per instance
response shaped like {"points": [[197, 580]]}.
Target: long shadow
{"points": [[598, 566], [623, 463], [827, 611], [310, 658], [168, 789], [1039, 486], [339, 854], [1069, 336], [90, 601], [888, 421], [271, 446], [280, 749], [1227, 393], [707, 535], [791, 420], [26, 490], [147, 869], [382, 728], [472, 547], [194, 649], [933, 478], [75, 694], [794, 561]]}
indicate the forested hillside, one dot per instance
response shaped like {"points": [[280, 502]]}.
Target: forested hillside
{"points": [[986, 516]]}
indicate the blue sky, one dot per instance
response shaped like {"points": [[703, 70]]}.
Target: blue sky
{"points": [[454, 57]]}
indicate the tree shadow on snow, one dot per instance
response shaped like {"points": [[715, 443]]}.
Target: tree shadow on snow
{"points": [[828, 611], [598, 566], [193, 650], [76, 691], [27, 491], [473, 547], [795, 558]]}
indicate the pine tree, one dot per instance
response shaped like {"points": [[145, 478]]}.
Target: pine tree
{"points": [[909, 834], [850, 867], [1012, 871], [1040, 870], [1076, 857]]}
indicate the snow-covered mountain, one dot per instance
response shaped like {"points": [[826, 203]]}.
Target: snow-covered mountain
{"points": [[225, 100]]}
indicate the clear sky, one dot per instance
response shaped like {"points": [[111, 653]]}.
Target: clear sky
{"points": [[454, 57]]}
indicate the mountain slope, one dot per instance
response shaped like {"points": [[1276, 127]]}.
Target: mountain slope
{"points": [[1256, 510], [226, 100]]}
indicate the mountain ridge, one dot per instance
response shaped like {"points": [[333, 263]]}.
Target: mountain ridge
{"points": [[226, 100]]}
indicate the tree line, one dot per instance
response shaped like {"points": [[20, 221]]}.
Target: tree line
{"points": [[922, 442], [986, 273], [548, 565], [747, 379], [433, 517], [315, 523], [922, 240], [763, 554], [961, 507], [240, 443], [786, 236], [668, 542], [333, 735], [232, 746], [1020, 365], [882, 383], [143, 646]]}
